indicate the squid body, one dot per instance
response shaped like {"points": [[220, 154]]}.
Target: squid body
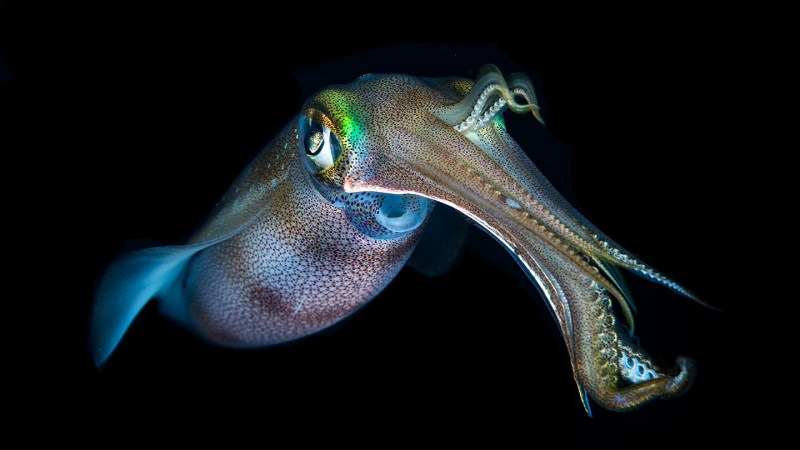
{"points": [[330, 211]]}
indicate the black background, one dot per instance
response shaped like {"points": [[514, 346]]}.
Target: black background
{"points": [[143, 114]]}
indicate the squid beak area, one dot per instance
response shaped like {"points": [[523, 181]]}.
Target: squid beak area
{"points": [[487, 177]]}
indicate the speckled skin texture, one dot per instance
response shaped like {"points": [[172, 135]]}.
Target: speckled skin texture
{"points": [[285, 276], [285, 255]]}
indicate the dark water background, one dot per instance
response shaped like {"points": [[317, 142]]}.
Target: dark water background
{"points": [[148, 112]]}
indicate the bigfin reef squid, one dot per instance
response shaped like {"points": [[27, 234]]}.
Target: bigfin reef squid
{"points": [[329, 212]]}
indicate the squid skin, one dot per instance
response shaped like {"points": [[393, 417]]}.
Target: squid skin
{"points": [[330, 211]]}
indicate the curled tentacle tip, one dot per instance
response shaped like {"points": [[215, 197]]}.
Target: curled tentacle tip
{"points": [[537, 113], [680, 383]]}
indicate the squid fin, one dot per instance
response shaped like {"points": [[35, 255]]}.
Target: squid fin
{"points": [[127, 286]]}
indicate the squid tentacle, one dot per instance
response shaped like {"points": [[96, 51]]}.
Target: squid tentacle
{"points": [[571, 237]]}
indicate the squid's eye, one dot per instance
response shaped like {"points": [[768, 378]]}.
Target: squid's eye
{"points": [[320, 146]]}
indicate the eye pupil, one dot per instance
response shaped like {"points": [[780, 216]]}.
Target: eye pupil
{"points": [[320, 145], [314, 140]]}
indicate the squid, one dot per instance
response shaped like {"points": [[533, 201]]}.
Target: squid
{"points": [[330, 211]]}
